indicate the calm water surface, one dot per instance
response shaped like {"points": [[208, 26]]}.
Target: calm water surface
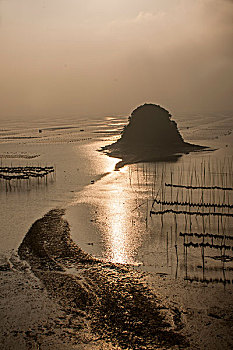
{"points": [[110, 211]]}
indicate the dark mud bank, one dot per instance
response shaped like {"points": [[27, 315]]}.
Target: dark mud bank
{"points": [[112, 298]]}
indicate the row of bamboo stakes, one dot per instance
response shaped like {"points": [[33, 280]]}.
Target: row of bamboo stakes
{"points": [[190, 204], [205, 235], [188, 187], [24, 173], [198, 187], [197, 213], [205, 280], [207, 245], [16, 177]]}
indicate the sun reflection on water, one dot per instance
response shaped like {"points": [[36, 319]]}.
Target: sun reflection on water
{"points": [[112, 200], [119, 237], [118, 241]]}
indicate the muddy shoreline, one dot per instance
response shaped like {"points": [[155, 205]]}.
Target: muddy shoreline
{"points": [[112, 297], [56, 296]]}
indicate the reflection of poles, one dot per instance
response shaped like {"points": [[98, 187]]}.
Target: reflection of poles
{"points": [[175, 220], [202, 248], [186, 261], [223, 272], [177, 261], [190, 217], [186, 222], [171, 185], [162, 196], [203, 258]]}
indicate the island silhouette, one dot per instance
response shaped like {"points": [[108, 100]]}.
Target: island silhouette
{"points": [[150, 135]]}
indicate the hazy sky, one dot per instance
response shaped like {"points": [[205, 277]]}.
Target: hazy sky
{"points": [[99, 57]]}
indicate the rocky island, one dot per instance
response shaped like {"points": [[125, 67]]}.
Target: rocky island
{"points": [[150, 135]]}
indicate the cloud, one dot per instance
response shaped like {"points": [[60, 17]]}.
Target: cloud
{"points": [[183, 56], [144, 17], [177, 53]]}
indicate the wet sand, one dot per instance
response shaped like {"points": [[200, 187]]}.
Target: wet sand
{"points": [[56, 296], [111, 298], [59, 297]]}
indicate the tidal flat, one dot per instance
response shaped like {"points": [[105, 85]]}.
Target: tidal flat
{"points": [[139, 258]]}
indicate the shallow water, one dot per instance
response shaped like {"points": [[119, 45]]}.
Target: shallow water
{"points": [[109, 210], [68, 150], [109, 215], [114, 218]]}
